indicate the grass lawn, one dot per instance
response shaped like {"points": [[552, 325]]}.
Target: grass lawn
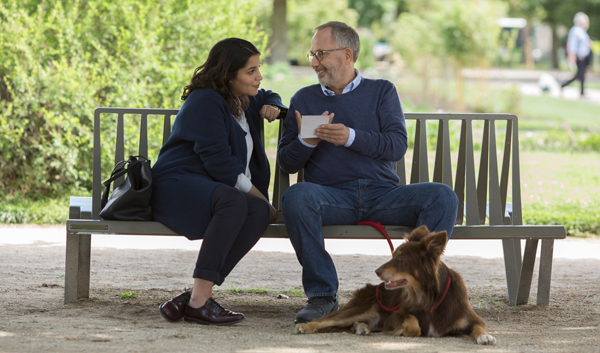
{"points": [[545, 112], [562, 188]]}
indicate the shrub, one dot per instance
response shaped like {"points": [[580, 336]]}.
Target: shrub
{"points": [[63, 58]]}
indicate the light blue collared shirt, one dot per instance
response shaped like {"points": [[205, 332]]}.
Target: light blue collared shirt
{"points": [[351, 87], [578, 42]]}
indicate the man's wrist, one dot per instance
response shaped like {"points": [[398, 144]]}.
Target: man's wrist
{"points": [[304, 142], [351, 137]]}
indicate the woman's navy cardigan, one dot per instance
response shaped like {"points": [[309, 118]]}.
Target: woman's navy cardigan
{"points": [[207, 146]]}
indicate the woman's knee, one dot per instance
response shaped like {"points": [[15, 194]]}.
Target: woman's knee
{"points": [[227, 199], [258, 210]]}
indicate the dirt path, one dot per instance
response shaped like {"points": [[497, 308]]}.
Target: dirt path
{"points": [[34, 319]]}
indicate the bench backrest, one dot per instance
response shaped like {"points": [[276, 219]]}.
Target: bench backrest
{"points": [[482, 188]]}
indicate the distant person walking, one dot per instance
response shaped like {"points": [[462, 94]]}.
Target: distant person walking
{"points": [[578, 47]]}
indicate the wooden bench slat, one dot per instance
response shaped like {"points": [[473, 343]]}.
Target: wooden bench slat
{"points": [[120, 147], [472, 215], [482, 181], [495, 212], [143, 143], [505, 165]]}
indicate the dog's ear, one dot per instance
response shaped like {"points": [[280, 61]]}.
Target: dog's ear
{"points": [[434, 244], [417, 234]]}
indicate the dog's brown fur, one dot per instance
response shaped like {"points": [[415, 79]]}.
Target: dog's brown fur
{"points": [[417, 278]]}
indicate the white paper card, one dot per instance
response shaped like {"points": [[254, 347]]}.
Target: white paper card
{"points": [[310, 123]]}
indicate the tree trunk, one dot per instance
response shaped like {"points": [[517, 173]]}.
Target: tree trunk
{"points": [[279, 26], [528, 47], [555, 46]]}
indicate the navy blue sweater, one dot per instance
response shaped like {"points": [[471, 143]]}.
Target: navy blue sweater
{"points": [[373, 110], [207, 146]]}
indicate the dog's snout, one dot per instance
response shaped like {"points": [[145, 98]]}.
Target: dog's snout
{"points": [[378, 271]]}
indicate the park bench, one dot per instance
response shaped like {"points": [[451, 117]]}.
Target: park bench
{"points": [[485, 212]]}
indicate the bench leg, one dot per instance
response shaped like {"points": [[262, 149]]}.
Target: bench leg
{"points": [[527, 270], [546, 255], [512, 266], [77, 267]]}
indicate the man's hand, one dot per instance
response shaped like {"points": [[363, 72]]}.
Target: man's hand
{"points": [[269, 112], [313, 141], [335, 133]]}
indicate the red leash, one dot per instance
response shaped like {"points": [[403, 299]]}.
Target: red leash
{"points": [[380, 229], [443, 295], [389, 310]]}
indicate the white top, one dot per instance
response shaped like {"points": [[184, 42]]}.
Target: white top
{"points": [[244, 183]]}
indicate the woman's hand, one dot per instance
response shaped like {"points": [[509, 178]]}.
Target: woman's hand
{"points": [[272, 211], [269, 112]]}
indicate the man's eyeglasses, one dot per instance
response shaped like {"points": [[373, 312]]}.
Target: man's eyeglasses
{"points": [[319, 54]]}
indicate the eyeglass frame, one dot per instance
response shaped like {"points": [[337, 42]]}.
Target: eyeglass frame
{"points": [[316, 54]]}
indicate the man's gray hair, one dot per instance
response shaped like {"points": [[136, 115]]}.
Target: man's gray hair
{"points": [[343, 35], [580, 18]]}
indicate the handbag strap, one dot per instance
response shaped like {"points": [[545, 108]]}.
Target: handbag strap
{"points": [[119, 170]]}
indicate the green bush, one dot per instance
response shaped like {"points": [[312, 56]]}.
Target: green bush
{"points": [[61, 59], [564, 140], [24, 211]]}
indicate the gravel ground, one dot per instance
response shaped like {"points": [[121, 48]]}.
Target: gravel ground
{"points": [[34, 318]]}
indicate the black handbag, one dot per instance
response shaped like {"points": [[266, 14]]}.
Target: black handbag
{"points": [[129, 201]]}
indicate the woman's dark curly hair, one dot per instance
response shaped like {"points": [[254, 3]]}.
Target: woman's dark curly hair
{"points": [[222, 65]]}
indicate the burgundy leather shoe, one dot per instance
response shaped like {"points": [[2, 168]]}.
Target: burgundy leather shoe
{"points": [[172, 310], [212, 313]]}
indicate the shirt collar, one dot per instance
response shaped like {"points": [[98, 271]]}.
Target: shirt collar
{"points": [[351, 86]]}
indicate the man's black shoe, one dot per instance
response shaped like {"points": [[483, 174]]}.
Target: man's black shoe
{"points": [[316, 308]]}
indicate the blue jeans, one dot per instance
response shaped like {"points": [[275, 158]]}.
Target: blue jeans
{"points": [[308, 206]]}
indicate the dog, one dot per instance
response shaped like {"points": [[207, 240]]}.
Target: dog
{"points": [[419, 296]]}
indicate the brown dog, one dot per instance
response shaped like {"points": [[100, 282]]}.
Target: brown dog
{"points": [[420, 296]]}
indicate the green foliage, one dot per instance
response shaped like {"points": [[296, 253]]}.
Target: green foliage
{"points": [[305, 15], [465, 31], [126, 295], [293, 292], [366, 59], [371, 12], [28, 211], [468, 30], [61, 59]]}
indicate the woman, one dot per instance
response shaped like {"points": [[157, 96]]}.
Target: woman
{"points": [[212, 175]]}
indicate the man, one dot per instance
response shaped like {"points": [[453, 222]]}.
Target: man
{"points": [[578, 47], [350, 167]]}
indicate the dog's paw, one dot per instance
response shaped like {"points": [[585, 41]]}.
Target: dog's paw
{"points": [[360, 328], [303, 329], [487, 340]]}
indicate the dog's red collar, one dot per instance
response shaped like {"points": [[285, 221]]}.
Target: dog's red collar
{"points": [[443, 295], [389, 310]]}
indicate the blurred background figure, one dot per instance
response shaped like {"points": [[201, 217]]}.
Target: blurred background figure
{"points": [[548, 83], [578, 47]]}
